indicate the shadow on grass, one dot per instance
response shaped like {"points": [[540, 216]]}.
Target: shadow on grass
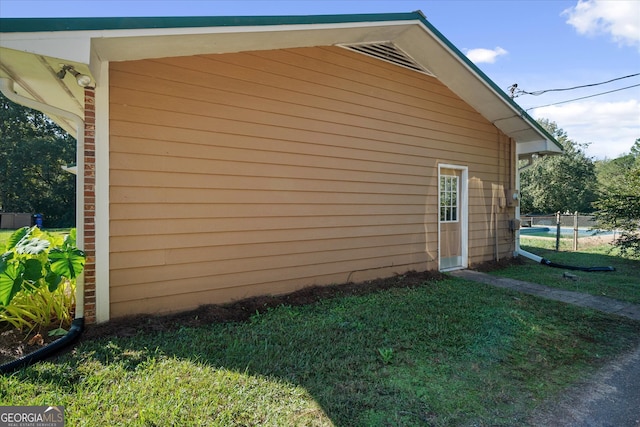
{"points": [[456, 353]]}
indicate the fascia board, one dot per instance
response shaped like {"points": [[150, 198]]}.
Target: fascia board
{"points": [[537, 147], [73, 47], [23, 25]]}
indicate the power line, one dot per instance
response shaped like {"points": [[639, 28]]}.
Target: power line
{"points": [[584, 97], [515, 92]]}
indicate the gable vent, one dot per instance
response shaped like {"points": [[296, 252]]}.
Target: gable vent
{"points": [[387, 52]]}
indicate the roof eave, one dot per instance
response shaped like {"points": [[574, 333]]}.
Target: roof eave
{"points": [[38, 25], [481, 92], [119, 39]]}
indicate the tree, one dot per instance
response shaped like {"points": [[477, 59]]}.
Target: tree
{"points": [[565, 182], [635, 149], [609, 171], [618, 206], [33, 150]]}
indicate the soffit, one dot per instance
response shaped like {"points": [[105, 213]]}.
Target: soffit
{"points": [[415, 37], [35, 78]]}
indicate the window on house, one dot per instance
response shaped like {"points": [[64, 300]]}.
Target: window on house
{"points": [[448, 198]]}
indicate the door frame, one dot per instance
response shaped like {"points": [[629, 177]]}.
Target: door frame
{"points": [[464, 214]]}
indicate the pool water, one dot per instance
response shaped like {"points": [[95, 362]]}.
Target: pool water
{"points": [[564, 232]]}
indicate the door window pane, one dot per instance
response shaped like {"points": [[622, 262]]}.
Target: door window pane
{"points": [[448, 198]]}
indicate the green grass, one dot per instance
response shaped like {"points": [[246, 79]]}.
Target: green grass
{"points": [[622, 284], [5, 234], [446, 353]]}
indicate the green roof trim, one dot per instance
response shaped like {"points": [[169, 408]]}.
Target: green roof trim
{"points": [[23, 25]]}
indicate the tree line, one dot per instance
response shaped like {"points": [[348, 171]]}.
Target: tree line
{"points": [[33, 150], [609, 189]]}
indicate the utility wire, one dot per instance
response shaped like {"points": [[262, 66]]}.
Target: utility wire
{"points": [[584, 97], [515, 92]]}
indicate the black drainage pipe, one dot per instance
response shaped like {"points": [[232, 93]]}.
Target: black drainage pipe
{"points": [[546, 262], [77, 326]]}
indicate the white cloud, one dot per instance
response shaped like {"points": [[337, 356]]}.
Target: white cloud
{"points": [[611, 128], [485, 55], [619, 18]]}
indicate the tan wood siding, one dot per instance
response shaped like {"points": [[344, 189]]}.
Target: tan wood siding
{"points": [[242, 174]]}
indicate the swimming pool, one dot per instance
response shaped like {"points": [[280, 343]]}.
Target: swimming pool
{"points": [[565, 232]]}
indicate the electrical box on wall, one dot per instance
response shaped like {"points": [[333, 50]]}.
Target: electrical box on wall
{"points": [[514, 224], [513, 198]]}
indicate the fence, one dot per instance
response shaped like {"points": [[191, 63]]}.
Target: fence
{"points": [[561, 226], [566, 220], [10, 220]]}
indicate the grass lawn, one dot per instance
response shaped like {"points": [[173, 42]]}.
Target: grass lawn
{"points": [[622, 284], [443, 353], [5, 234]]}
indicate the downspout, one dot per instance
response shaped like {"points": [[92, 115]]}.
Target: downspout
{"points": [[497, 205], [77, 326], [534, 257], [519, 250]]}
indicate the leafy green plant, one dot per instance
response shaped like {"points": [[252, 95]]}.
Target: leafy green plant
{"points": [[40, 307], [37, 277], [386, 354]]}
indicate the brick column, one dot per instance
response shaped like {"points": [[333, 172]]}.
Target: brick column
{"points": [[89, 206]]}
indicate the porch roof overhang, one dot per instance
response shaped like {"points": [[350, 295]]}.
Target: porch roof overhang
{"points": [[32, 51]]}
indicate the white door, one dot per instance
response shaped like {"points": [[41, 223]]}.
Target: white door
{"points": [[452, 217]]}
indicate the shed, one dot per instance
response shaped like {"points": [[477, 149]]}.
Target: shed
{"points": [[226, 157]]}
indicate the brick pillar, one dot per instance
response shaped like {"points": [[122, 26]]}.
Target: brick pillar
{"points": [[89, 206]]}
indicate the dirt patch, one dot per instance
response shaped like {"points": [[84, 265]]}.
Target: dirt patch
{"points": [[242, 310], [14, 344], [489, 266]]}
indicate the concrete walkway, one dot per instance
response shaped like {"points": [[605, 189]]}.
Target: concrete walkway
{"points": [[611, 397], [608, 305]]}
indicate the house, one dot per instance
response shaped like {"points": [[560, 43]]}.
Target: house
{"points": [[226, 157]]}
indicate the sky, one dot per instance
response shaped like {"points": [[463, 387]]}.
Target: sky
{"points": [[537, 44]]}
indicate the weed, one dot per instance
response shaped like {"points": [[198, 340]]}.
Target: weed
{"points": [[386, 354]]}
